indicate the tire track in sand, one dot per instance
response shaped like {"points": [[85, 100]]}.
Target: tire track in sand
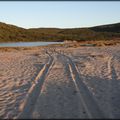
{"points": [[27, 107], [113, 90], [87, 99], [59, 98]]}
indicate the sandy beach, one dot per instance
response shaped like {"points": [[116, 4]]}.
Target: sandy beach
{"points": [[60, 82]]}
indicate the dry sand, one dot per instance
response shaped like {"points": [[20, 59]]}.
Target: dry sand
{"points": [[60, 82]]}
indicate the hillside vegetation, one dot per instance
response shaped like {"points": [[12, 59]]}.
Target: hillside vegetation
{"points": [[11, 33]]}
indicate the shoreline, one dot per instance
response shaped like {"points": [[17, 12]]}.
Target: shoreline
{"points": [[98, 43]]}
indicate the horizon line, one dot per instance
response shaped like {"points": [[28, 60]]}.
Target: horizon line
{"points": [[59, 27]]}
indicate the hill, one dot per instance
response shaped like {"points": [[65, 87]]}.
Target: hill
{"points": [[107, 28], [11, 33]]}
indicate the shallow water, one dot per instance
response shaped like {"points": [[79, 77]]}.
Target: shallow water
{"points": [[27, 44]]}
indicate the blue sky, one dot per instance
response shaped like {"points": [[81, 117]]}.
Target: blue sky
{"points": [[59, 14]]}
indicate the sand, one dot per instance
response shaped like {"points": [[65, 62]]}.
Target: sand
{"points": [[60, 82]]}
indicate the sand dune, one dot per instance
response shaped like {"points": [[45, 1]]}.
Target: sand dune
{"points": [[60, 82]]}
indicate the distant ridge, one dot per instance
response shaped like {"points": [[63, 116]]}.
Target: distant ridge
{"points": [[107, 28], [12, 33]]}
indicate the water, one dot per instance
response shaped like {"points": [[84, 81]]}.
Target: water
{"points": [[27, 44]]}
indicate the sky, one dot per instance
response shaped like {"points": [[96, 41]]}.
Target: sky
{"points": [[60, 14]]}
